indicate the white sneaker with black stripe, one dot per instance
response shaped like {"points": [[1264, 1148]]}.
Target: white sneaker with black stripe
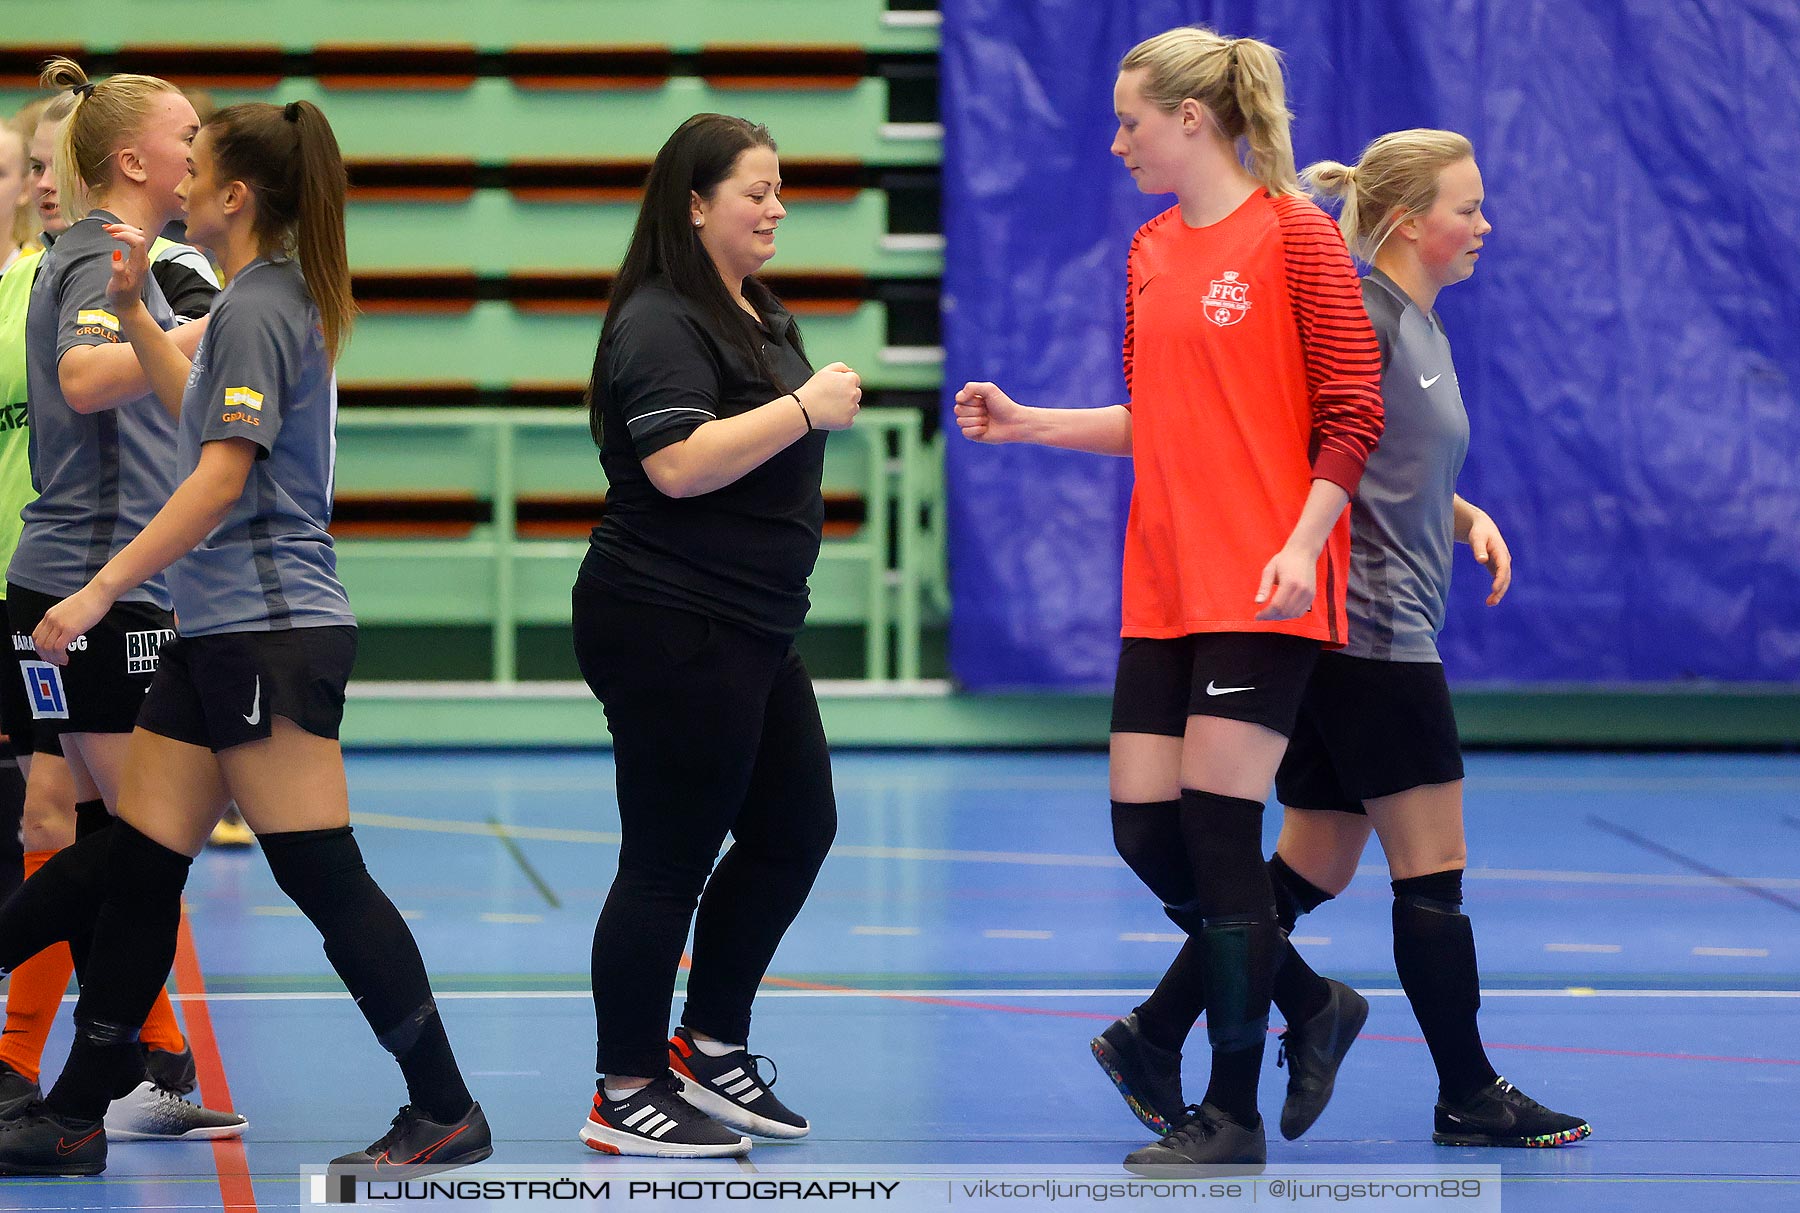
{"points": [[656, 1121], [730, 1089]]}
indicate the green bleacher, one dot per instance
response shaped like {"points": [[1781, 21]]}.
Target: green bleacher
{"points": [[495, 153]]}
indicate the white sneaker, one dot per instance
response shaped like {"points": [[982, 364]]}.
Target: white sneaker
{"points": [[153, 1113]]}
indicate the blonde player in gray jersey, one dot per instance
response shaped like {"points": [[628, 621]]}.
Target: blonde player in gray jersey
{"points": [[248, 699], [1377, 747]]}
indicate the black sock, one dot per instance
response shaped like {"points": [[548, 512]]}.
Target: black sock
{"points": [[1300, 993], [1240, 958], [1169, 1014], [104, 1063], [59, 903], [133, 947], [1224, 843], [373, 951], [91, 819], [1434, 951], [1149, 840]]}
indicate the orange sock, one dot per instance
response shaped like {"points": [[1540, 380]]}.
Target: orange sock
{"points": [[160, 1030], [34, 996]]}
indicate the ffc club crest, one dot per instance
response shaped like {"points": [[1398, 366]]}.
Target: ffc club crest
{"points": [[1227, 300]]}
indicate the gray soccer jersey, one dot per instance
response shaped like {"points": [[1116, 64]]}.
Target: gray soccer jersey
{"points": [[100, 476], [1402, 523], [262, 373]]}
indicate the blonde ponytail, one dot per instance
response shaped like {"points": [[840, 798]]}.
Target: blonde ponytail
{"points": [[104, 116], [1395, 177], [1238, 80]]}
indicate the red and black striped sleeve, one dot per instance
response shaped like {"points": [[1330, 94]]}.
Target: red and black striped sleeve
{"points": [[1343, 361], [1131, 289]]}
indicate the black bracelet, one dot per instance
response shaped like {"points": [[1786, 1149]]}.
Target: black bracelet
{"points": [[803, 412]]}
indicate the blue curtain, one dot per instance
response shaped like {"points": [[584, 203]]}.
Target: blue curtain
{"points": [[1628, 349]]}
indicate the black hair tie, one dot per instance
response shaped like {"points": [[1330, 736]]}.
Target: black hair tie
{"points": [[291, 111], [84, 89]]}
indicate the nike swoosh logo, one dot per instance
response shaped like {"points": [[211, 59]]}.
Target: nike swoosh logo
{"points": [[423, 1155], [66, 1148], [255, 716], [1214, 689], [1424, 382]]}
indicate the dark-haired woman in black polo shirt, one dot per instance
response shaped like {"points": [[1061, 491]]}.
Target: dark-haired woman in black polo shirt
{"points": [[710, 423]]}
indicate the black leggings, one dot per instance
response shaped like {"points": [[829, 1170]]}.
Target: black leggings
{"points": [[715, 731]]}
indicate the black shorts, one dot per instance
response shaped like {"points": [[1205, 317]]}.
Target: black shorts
{"points": [[1368, 729], [110, 666], [23, 737], [1257, 677], [226, 689]]}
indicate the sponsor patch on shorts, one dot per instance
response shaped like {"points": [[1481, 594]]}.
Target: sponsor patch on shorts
{"points": [[44, 689], [142, 649]]}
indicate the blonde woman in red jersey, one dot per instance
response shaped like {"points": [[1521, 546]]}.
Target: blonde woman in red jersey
{"points": [[1254, 382]]}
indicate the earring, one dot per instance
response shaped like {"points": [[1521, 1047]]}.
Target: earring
{"points": [[698, 222]]}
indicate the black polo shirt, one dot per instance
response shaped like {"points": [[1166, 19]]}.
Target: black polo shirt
{"points": [[741, 553]]}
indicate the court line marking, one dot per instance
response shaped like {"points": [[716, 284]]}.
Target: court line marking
{"points": [[394, 821], [805, 990], [1755, 889], [1003, 933], [1705, 951], [236, 1190], [518, 856]]}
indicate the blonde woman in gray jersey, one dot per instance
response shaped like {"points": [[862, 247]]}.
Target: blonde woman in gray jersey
{"points": [[247, 700], [1377, 747]]}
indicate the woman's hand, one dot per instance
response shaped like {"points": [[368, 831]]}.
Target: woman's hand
{"points": [[1490, 549], [833, 397], [1287, 587], [130, 266], [67, 622], [984, 413]]}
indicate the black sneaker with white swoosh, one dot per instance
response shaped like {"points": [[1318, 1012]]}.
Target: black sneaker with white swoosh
{"points": [[1503, 1115]]}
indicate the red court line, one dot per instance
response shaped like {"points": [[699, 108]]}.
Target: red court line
{"points": [[789, 983], [235, 1188]]}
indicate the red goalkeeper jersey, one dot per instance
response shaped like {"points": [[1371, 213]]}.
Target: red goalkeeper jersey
{"points": [[1252, 370]]}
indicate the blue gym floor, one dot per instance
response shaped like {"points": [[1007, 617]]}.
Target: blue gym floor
{"points": [[1636, 918]]}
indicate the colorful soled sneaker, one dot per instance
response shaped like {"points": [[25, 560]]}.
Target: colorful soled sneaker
{"points": [[656, 1121], [39, 1142], [730, 1090], [416, 1146], [1205, 1138], [153, 1113], [1147, 1076], [1503, 1115], [1312, 1051]]}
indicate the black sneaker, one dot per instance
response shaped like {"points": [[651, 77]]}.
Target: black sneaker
{"points": [[171, 1071], [1147, 1076], [1503, 1115], [1205, 1138], [731, 1090], [1312, 1052], [416, 1146], [39, 1142], [17, 1092], [656, 1121]]}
